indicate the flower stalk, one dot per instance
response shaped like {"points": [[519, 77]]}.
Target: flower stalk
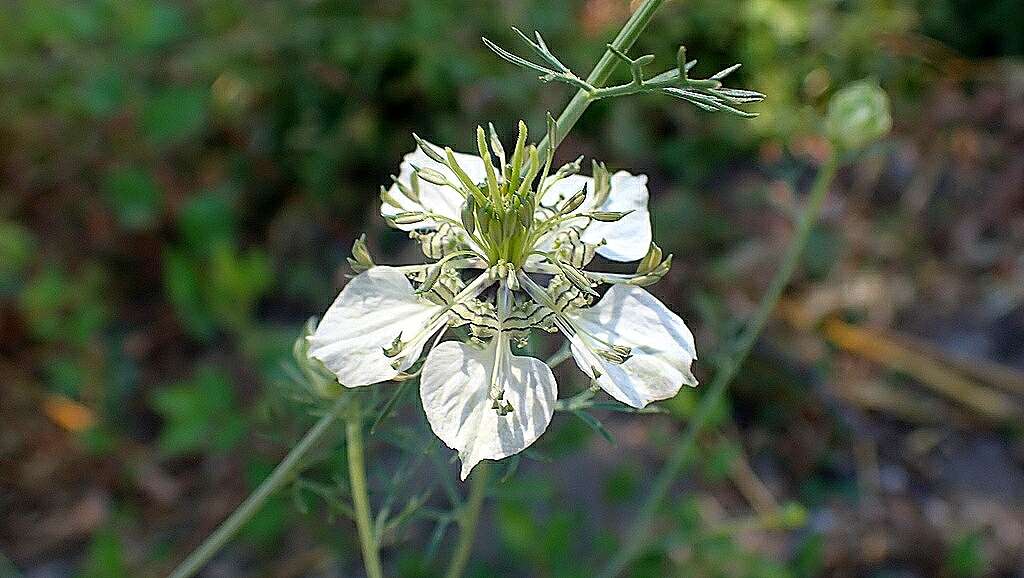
{"points": [[282, 474], [639, 531], [360, 496], [468, 520]]}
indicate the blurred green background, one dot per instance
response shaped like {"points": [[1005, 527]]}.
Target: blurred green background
{"points": [[180, 183]]}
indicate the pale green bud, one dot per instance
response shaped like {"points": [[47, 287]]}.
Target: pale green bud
{"points": [[318, 379], [433, 274], [602, 183], [858, 115], [525, 214], [469, 215], [410, 193], [408, 218], [360, 260], [608, 216], [574, 202], [429, 150], [431, 176]]}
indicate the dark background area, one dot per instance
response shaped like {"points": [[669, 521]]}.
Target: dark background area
{"points": [[180, 183]]}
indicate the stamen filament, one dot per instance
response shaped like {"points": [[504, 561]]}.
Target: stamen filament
{"points": [[439, 318]]}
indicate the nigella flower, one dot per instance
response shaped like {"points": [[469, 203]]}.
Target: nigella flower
{"points": [[509, 244]]}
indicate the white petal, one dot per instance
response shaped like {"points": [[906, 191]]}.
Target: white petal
{"points": [[454, 387], [629, 238], [374, 308], [438, 199], [661, 345]]}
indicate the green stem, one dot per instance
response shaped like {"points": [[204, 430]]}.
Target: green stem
{"points": [[468, 519], [602, 71], [282, 474], [360, 497], [639, 531]]}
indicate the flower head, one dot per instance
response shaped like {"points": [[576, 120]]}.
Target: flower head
{"points": [[509, 239]]}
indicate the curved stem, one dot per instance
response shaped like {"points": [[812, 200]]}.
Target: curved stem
{"points": [[602, 70], [360, 497], [468, 519], [282, 474], [638, 532]]}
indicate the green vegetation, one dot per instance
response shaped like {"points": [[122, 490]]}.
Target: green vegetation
{"points": [[181, 182]]}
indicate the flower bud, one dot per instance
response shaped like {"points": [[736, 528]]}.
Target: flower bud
{"points": [[469, 214], [407, 218], [429, 150], [433, 274], [431, 176], [574, 202], [360, 260], [495, 230], [608, 216], [525, 214], [319, 380], [408, 192], [857, 115], [602, 183]]}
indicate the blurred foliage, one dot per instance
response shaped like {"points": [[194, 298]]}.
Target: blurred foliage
{"points": [[182, 182], [200, 414]]}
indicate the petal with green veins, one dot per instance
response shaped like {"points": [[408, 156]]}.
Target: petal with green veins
{"points": [[661, 348], [454, 387], [375, 307]]}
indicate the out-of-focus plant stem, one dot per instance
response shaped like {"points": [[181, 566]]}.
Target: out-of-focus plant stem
{"points": [[468, 519], [282, 474], [360, 496], [639, 531]]}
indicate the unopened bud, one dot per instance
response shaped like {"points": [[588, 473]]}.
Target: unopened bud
{"points": [[408, 192], [433, 274], [858, 115], [574, 202], [429, 150], [525, 214], [469, 214], [494, 227], [577, 279], [431, 176], [602, 183], [395, 348], [608, 216], [408, 218], [360, 260]]}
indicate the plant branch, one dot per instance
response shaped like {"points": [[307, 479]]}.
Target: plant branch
{"points": [[468, 519], [639, 531], [631, 30], [360, 497], [282, 474]]}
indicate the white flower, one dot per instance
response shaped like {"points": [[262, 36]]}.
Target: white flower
{"points": [[517, 224]]}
